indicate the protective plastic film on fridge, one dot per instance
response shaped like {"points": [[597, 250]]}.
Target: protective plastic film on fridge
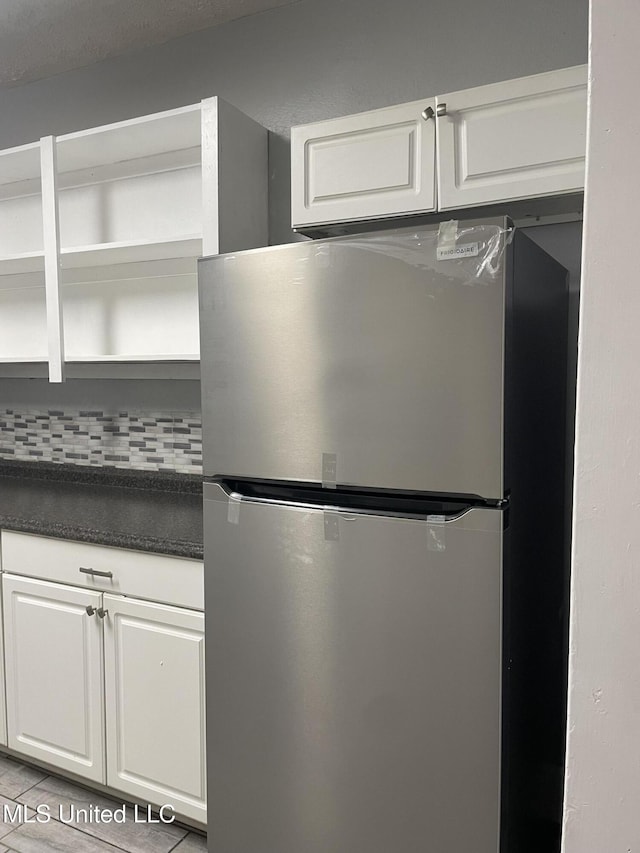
{"points": [[385, 567]]}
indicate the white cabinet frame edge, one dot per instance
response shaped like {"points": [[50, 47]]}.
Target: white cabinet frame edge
{"points": [[210, 183], [52, 275]]}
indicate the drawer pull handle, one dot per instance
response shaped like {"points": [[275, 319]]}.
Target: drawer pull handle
{"points": [[95, 572], [90, 610], [101, 612]]}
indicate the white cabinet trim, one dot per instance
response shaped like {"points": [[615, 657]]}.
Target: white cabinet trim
{"points": [[210, 183], [51, 238]]}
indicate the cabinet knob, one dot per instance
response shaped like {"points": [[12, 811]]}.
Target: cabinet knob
{"points": [[90, 610], [429, 112], [101, 612]]}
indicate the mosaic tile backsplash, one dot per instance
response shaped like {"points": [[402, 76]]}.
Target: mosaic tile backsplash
{"points": [[150, 441]]}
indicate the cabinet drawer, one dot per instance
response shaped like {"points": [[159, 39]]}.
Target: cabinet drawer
{"points": [[134, 573]]}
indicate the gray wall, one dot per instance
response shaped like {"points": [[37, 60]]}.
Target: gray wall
{"points": [[149, 395], [314, 59]]}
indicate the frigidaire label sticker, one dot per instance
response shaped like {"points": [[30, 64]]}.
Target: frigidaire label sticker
{"points": [[462, 250]]}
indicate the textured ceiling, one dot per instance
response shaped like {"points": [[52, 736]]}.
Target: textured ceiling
{"points": [[39, 38]]}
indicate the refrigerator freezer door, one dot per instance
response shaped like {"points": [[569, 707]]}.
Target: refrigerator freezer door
{"points": [[365, 361], [353, 680]]}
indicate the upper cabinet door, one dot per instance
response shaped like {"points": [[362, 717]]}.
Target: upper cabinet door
{"points": [[365, 166], [517, 139]]}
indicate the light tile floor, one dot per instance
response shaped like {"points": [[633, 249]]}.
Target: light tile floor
{"points": [[26, 787]]}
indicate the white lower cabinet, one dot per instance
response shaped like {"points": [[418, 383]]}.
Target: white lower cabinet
{"points": [[54, 674], [102, 685], [154, 683]]}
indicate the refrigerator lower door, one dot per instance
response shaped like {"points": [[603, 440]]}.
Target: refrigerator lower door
{"points": [[353, 679]]}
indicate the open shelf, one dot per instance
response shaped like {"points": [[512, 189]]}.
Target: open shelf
{"points": [[36, 359], [131, 223], [160, 133], [23, 314], [104, 254], [23, 324], [142, 311], [26, 262], [20, 164], [133, 357], [21, 238]]}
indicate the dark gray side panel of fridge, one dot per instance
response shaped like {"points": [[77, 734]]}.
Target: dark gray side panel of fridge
{"points": [[353, 671], [537, 549]]}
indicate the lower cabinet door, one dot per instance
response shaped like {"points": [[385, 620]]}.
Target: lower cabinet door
{"points": [[3, 702], [53, 652], [155, 715]]}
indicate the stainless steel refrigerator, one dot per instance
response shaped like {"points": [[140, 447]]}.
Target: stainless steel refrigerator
{"points": [[385, 543]]}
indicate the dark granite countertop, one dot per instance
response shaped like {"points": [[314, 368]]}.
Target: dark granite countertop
{"points": [[141, 510]]}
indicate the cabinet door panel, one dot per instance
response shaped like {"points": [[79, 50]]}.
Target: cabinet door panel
{"points": [[154, 665], [365, 166], [54, 675], [3, 702], [517, 139]]}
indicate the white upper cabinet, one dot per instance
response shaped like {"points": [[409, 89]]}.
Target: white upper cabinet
{"points": [[22, 289], [140, 201], [100, 231], [131, 228], [508, 141], [513, 140], [365, 166]]}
